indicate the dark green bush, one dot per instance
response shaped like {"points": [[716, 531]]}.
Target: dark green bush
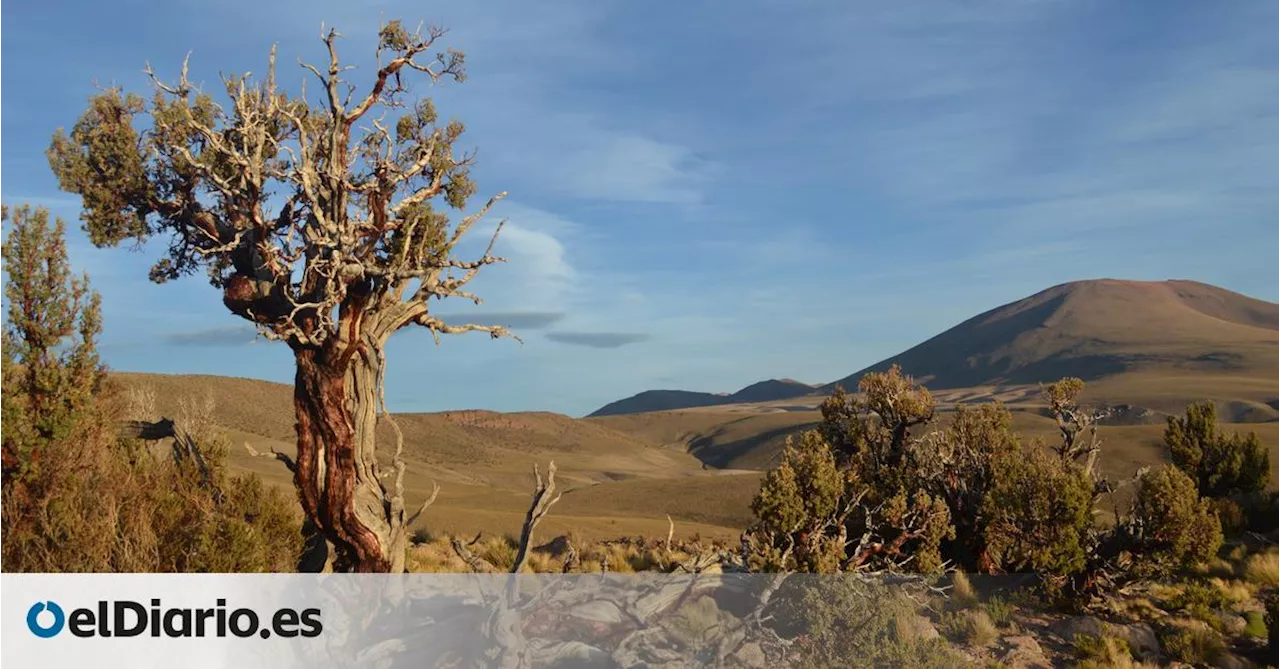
{"points": [[1039, 514], [1173, 529], [823, 510], [802, 510], [1260, 511], [1222, 464]]}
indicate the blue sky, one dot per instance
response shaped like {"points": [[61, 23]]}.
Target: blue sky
{"points": [[706, 194]]}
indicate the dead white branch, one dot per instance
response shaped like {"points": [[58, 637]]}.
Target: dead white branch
{"points": [[541, 504]]}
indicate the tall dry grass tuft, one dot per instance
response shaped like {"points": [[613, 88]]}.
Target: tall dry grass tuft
{"points": [[962, 593], [1262, 569]]}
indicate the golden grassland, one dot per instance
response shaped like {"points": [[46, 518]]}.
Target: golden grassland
{"points": [[624, 475]]}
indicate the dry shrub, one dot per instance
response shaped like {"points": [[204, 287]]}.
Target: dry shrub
{"points": [[102, 504], [498, 551], [197, 416], [1218, 567], [696, 622], [140, 403], [974, 628], [1198, 646], [434, 556], [981, 630], [634, 555], [541, 563]]}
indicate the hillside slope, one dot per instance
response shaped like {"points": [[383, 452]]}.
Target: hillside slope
{"points": [[482, 460], [1095, 329]]}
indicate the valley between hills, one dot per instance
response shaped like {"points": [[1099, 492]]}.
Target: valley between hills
{"points": [[1146, 350]]}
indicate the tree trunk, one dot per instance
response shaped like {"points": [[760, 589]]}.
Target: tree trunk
{"points": [[336, 401]]}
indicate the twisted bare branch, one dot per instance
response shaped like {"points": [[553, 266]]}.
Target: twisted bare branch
{"points": [[541, 504]]}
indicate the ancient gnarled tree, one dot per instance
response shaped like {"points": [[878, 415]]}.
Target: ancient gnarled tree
{"points": [[322, 219]]}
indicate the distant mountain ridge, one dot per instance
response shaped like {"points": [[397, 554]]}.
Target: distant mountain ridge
{"points": [[665, 400], [1089, 329]]}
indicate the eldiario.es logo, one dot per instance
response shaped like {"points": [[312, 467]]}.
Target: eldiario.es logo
{"points": [[124, 618]]}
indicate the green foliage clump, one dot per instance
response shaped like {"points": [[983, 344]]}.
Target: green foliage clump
{"points": [[1261, 510], [1222, 464], [800, 509], [51, 370], [1256, 624], [1197, 595], [1231, 514], [847, 495], [870, 487], [962, 462], [76, 497], [1172, 527], [1039, 514]]}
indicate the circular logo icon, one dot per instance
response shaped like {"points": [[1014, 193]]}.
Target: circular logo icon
{"points": [[45, 631]]}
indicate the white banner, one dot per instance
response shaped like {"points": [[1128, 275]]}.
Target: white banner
{"points": [[428, 620]]}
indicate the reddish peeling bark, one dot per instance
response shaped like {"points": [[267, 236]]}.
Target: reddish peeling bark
{"points": [[327, 474]]}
